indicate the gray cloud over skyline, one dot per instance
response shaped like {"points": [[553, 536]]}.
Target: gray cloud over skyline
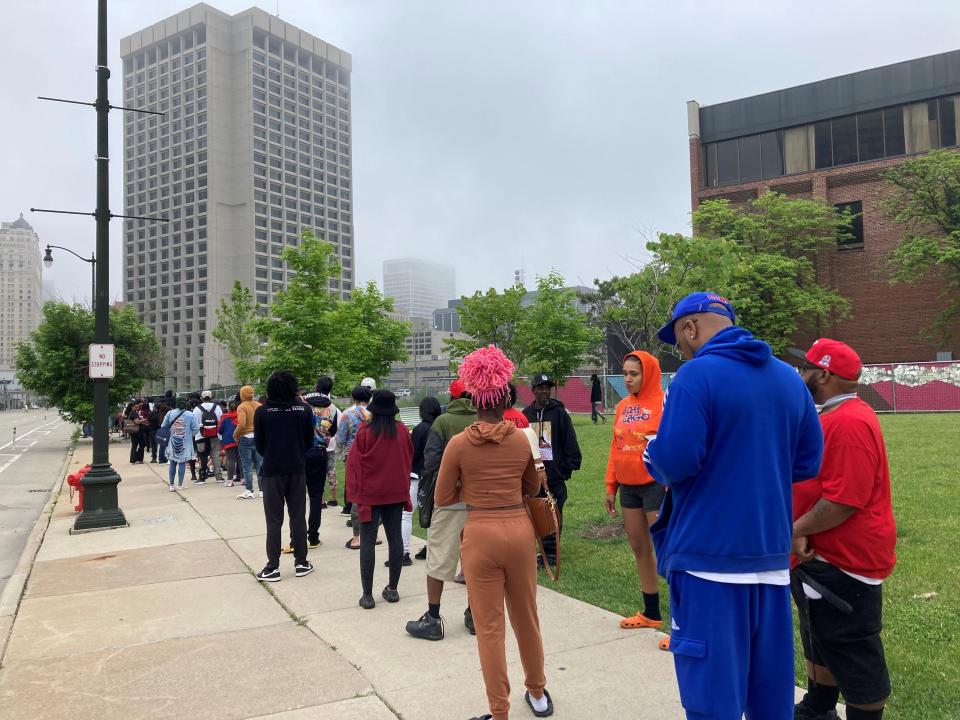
{"points": [[485, 135]]}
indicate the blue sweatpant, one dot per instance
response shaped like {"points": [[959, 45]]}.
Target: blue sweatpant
{"points": [[733, 649]]}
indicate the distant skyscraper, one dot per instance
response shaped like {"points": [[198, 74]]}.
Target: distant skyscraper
{"points": [[255, 146], [20, 286], [418, 287]]}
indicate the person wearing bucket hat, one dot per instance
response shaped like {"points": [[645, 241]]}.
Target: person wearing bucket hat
{"points": [[378, 481], [844, 543], [738, 429]]}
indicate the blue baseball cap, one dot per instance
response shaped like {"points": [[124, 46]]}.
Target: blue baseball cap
{"points": [[698, 302]]}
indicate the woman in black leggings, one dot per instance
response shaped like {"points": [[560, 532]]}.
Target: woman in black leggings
{"points": [[378, 483]]}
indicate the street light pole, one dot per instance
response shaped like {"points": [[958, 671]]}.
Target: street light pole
{"points": [[100, 506], [48, 261]]}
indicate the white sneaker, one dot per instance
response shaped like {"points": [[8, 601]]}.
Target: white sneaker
{"points": [[228, 483], [260, 494], [172, 488], [245, 495]]}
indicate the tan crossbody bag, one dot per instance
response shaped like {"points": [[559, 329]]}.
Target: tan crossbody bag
{"points": [[543, 510]]}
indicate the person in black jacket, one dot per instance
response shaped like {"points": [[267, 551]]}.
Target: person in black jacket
{"points": [[596, 400], [559, 448], [429, 411], [283, 431]]}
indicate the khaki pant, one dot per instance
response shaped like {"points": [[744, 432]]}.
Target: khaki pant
{"points": [[500, 564]]}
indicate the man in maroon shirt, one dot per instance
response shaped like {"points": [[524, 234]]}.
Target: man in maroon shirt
{"points": [[843, 541]]}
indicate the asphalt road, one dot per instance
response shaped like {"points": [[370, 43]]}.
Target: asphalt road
{"points": [[29, 470]]}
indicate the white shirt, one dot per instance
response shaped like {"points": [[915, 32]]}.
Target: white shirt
{"points": [[767, 577]]}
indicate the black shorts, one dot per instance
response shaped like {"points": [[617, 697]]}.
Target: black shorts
{"points": [[848, 645], [647, 497]]}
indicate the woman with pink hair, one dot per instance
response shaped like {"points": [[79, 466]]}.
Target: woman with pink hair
{"points": [[489, 466]]}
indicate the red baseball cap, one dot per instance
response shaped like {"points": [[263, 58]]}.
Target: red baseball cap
{"points": [[457, 389], [835, 356]]}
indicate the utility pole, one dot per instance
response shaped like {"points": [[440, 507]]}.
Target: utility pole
{"points": [[100, 506]]}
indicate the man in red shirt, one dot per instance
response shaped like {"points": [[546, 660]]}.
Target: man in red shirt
{"points": [[843, 543]]}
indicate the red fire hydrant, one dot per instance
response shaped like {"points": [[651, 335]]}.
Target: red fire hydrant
{"points": [[75, 485]]}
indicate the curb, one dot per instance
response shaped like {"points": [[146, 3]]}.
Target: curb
{"points": [[17, 583]]}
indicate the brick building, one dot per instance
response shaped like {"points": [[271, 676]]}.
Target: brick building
{"points": [[831, 140]]}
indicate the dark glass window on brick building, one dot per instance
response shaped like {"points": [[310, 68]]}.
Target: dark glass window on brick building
{"points": [[750, 158], [845, 140], [893, 131], [771, 152], [728, 170], [823, 145], [853, 239], [870, 135]]}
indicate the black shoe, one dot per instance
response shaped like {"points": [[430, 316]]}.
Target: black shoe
{"points": [[367, 602], [331, 503], [390, 594], [304, 568], [344, 511], [421, 553], [269, 575], [488, 716], [426, 628], [546, 713], [349, 523], [406, 562], [468, 621], [802, 711]]}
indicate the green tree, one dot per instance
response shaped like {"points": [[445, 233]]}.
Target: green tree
{"points": [[554, 334], [925, 201], [774, 285], [235, 330], [310, 331], [369, 340], [53, 361], [491, 318]]}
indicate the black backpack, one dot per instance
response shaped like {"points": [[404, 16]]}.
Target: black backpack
{"points": [[208, 421]]}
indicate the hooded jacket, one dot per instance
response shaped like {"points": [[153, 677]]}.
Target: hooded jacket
{"points": [[738, 428], [563, 439], [378, 467], [487, 466], [459, 415], [637, 418], [228, 423], [282, 432], [245, 410]]}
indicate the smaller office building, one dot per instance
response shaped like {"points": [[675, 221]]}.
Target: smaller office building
{"points": [[832, 140]]}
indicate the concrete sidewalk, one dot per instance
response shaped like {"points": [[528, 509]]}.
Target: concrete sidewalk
{"points": [[165, 619]]}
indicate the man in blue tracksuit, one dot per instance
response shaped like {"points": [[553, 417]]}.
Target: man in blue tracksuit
{"points": [[738, 428]]}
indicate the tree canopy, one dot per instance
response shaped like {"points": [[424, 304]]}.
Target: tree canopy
{"points": [[310, 331], [760, 256], [53, 361], [925, 201], [235, 330]]}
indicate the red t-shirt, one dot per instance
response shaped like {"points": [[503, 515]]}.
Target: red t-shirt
{"points": [[854, 472], [516, 417]]}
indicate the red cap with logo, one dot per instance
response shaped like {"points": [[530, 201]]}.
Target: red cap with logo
{"points": [[457, 389], [835, 356]]}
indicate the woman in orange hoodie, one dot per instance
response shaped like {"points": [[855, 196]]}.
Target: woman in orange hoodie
{"points": [[637, 420]]}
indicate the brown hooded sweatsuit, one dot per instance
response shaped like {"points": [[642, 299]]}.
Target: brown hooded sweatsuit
{"points": [[490, 468]]}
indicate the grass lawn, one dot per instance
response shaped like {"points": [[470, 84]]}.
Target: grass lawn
{"points": [[922, 635]]}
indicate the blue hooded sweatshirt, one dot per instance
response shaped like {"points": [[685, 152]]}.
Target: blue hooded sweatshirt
{"points": [[738, 428]]}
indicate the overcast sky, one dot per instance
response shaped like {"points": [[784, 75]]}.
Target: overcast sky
{"points": [[547, 133]]}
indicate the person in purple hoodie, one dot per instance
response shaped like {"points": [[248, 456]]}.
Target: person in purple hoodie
{"points": [[738, 429]]}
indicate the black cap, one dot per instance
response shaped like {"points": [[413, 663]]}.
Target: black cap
{"points": [[542, 379]]}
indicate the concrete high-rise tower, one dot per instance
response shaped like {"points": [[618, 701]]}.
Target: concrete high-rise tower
{"points": [[20, 288], [255, 147]]}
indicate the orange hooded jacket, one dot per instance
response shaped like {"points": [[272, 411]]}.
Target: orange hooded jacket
{"points": [[637, 416]]}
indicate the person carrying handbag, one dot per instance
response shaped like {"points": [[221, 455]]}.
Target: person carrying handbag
{"points": [[489, 467]]}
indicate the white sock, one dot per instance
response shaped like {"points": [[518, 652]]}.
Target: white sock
{"points": [[539, 705]]}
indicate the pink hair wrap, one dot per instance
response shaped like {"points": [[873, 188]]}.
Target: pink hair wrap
{"points": [[485, 373]]}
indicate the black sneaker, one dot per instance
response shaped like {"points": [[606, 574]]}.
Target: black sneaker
{"points": [[802, 711], [426, 628], [421, 553], [406, 562], [268, 575], [367, 602], [304, 568], [344, 511], [331, 503], [390, 594], [468, 621]]}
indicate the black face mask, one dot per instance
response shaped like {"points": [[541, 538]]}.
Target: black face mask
{"points": [[811, 383]]}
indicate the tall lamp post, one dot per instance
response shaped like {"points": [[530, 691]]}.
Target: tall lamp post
{"points": [[100, 508], [48, 262]]}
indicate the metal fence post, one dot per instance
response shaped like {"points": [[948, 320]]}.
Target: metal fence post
{"points": [[893, 376]]}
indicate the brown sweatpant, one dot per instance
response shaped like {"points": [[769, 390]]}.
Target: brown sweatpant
{"points": [[499, 559]]}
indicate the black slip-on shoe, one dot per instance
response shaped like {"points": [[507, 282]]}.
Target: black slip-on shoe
{"points": [[421, 553], [543, 713], [367, 602], [390, 594], [468, 621]]}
